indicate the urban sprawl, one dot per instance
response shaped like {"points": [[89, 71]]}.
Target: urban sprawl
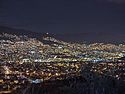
{"points": [[25, 60]]}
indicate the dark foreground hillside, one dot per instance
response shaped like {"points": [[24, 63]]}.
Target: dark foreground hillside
{"points": [[77, 85]]}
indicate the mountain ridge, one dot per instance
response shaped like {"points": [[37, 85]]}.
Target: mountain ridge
{"points": [[89, 37]]}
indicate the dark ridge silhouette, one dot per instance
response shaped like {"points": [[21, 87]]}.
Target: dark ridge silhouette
{"points": [[15, 31], [89, 37], [31, 34]]}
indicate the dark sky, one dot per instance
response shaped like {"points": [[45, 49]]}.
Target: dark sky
{"points": [[64, 16]]}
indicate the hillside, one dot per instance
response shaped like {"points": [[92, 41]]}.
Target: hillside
{"points": [[88, 37]]}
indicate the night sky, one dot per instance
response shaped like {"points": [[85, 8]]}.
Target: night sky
{"points": [[64, 16]]}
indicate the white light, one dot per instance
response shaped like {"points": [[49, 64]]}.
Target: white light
{"points": [[7, 71]]}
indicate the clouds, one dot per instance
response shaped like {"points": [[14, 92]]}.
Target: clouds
{"points": [[117, 1], [114, 1]]}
